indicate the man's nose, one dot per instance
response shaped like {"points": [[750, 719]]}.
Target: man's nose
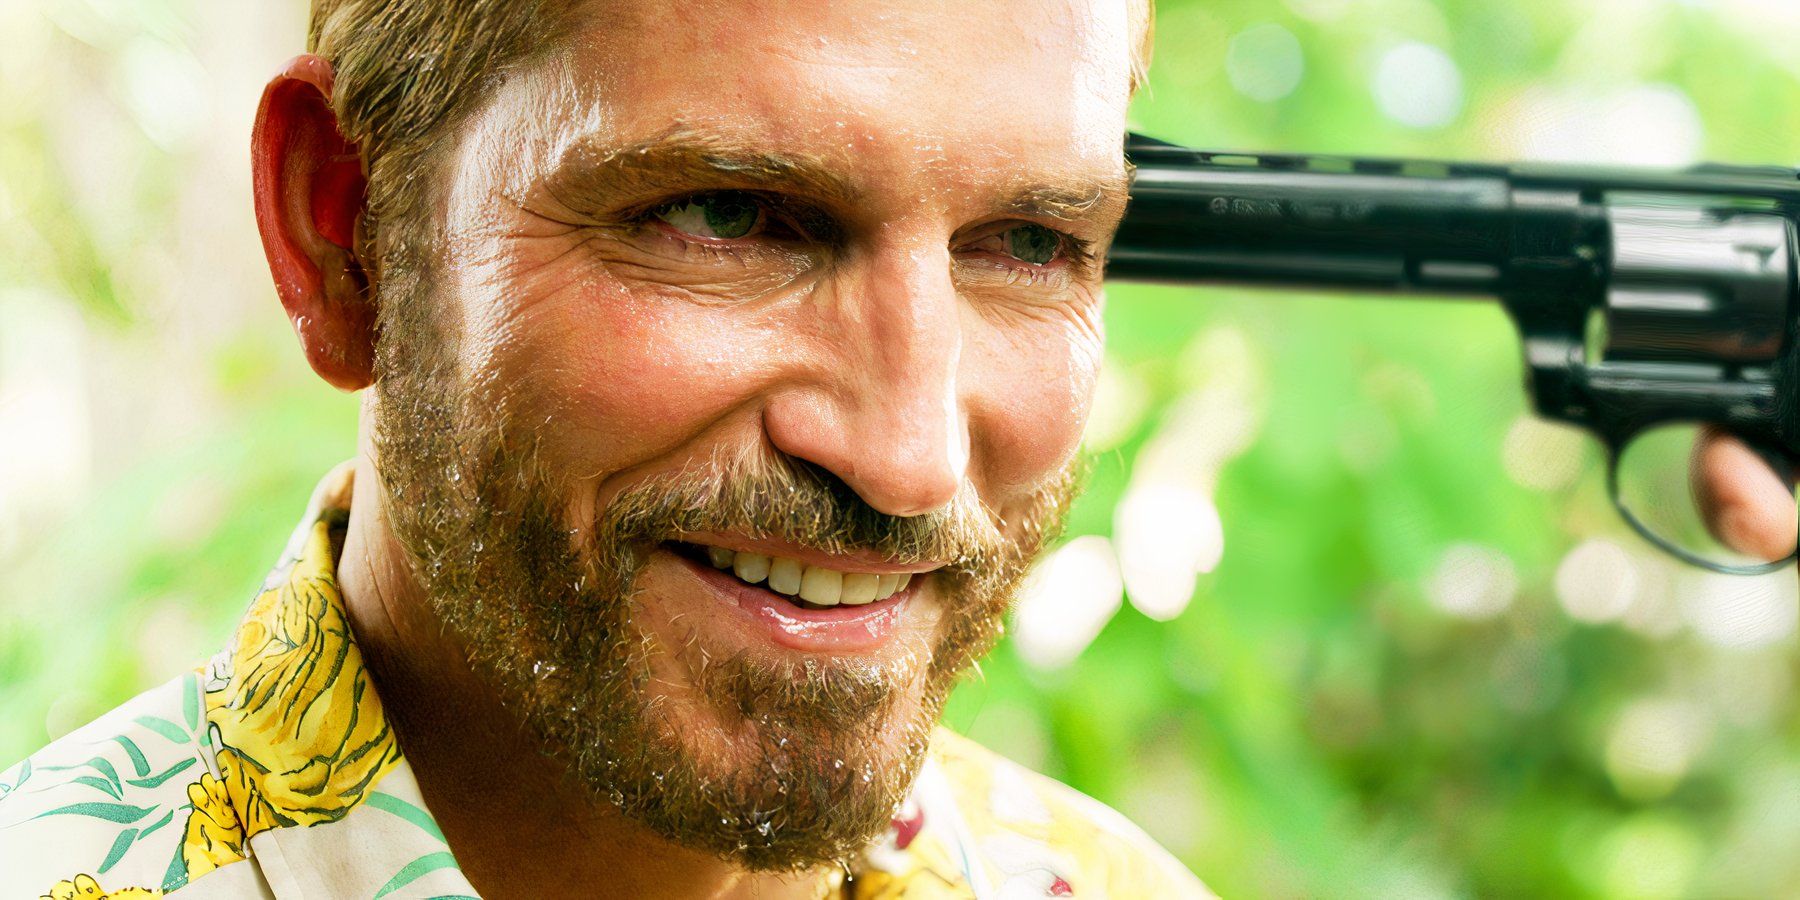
{"points": [[881, 409]]}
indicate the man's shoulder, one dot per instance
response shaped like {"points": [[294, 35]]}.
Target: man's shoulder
{"points": [[1021, 821], [104, 811]]}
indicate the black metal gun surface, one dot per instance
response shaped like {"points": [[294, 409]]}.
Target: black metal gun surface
{"points": [[1642, 297]]}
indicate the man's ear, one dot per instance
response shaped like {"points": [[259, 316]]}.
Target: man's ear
{"points": [[309, 187]]}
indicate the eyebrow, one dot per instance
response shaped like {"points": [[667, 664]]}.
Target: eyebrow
{"points": [[590, 176], [1072, 200]]}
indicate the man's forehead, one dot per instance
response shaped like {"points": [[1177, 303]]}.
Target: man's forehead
{"points": [[892, 36], [996, 82]]}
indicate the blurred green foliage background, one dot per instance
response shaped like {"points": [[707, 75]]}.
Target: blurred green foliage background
{"points": [[1337, 618]]}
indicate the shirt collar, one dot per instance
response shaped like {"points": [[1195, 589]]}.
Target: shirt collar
{"points": [[307, 779]]}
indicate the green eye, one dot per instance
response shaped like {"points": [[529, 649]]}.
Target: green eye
{"points": [[723, 215], [1034, 244]]}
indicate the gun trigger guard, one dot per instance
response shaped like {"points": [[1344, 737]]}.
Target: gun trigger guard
{"points": [[1644, 531]]}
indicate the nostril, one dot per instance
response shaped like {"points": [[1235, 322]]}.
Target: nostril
{"points": [[901, 450]]}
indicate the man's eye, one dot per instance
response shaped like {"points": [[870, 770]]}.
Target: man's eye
{"points": [[1034, 244], [724, 215]]}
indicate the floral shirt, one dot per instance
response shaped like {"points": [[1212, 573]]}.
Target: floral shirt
{"points": [[271, 772]]}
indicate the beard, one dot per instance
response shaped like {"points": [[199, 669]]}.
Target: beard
{"points": [[777, 765]]}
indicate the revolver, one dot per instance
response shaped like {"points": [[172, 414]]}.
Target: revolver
{"points": [[1642, 297]]}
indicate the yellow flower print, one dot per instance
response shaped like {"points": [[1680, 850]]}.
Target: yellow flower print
{"points": [[84, 887], [303, 737], [215, 837]]}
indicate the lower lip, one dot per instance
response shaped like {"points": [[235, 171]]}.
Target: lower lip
{"points": [[838, 629]]}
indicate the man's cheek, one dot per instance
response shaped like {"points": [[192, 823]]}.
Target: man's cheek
{"points": [[1033, 396], [614, 379]]}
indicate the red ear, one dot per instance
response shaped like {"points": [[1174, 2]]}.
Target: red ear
{"points": [[339, 195], [310, 189]]}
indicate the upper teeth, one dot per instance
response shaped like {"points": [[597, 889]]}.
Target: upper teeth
{"points": [[814, 584]]}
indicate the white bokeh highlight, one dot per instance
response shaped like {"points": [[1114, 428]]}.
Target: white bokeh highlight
{"points": [[1418, 85], [1471, 581], [1643, 125], [1735, 611], [1543, 455], [1120, 401], [1167, 526], [1069, 596], [43, 411], [1168, 533], [1597, 581], [1654, 744], [1265, 62]]}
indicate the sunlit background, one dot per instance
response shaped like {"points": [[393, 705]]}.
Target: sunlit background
{"points": [[1337, 617]]}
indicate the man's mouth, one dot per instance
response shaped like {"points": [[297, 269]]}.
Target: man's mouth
{"points": [[806, 586]]}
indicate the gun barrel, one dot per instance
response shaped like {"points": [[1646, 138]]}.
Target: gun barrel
{"points": [[1306, 223], [1312, 230], [1332, 223]]}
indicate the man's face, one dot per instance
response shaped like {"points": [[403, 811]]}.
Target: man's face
{"points": [[794, 286]]}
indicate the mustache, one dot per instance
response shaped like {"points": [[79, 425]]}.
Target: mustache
{"points": [[763, 494]]}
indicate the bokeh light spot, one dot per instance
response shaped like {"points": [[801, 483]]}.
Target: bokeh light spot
{"points": [[162, 88], [1168, 534], [1738, 611], [1472, 582], [1264, 62], [1542, 455], [1120, 400], [1646, 125], [1596, 581], [1418, 85], [1653, 746], [1070, 595]]}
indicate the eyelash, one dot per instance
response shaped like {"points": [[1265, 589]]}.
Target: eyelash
{"points": [[803, 224], [798, 223]]}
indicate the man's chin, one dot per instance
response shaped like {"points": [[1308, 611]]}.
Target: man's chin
{"points": [[777, 768]]}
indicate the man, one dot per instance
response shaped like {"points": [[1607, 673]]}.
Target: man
{"points": [[726, 364]]}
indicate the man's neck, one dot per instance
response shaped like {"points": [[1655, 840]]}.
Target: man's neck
{"points": [[518, 826]]}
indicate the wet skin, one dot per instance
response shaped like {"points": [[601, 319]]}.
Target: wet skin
{"points": [[879, 322], [877, 328]]}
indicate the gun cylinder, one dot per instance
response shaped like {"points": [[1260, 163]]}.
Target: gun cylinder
{"points": [[1697, 284]]}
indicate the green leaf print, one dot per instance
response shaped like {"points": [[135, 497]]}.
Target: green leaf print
{"points": [[123, 813], [139, 763], [165, 775], [120, 844], [415, 870], [164, 727], [104, 786]]}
